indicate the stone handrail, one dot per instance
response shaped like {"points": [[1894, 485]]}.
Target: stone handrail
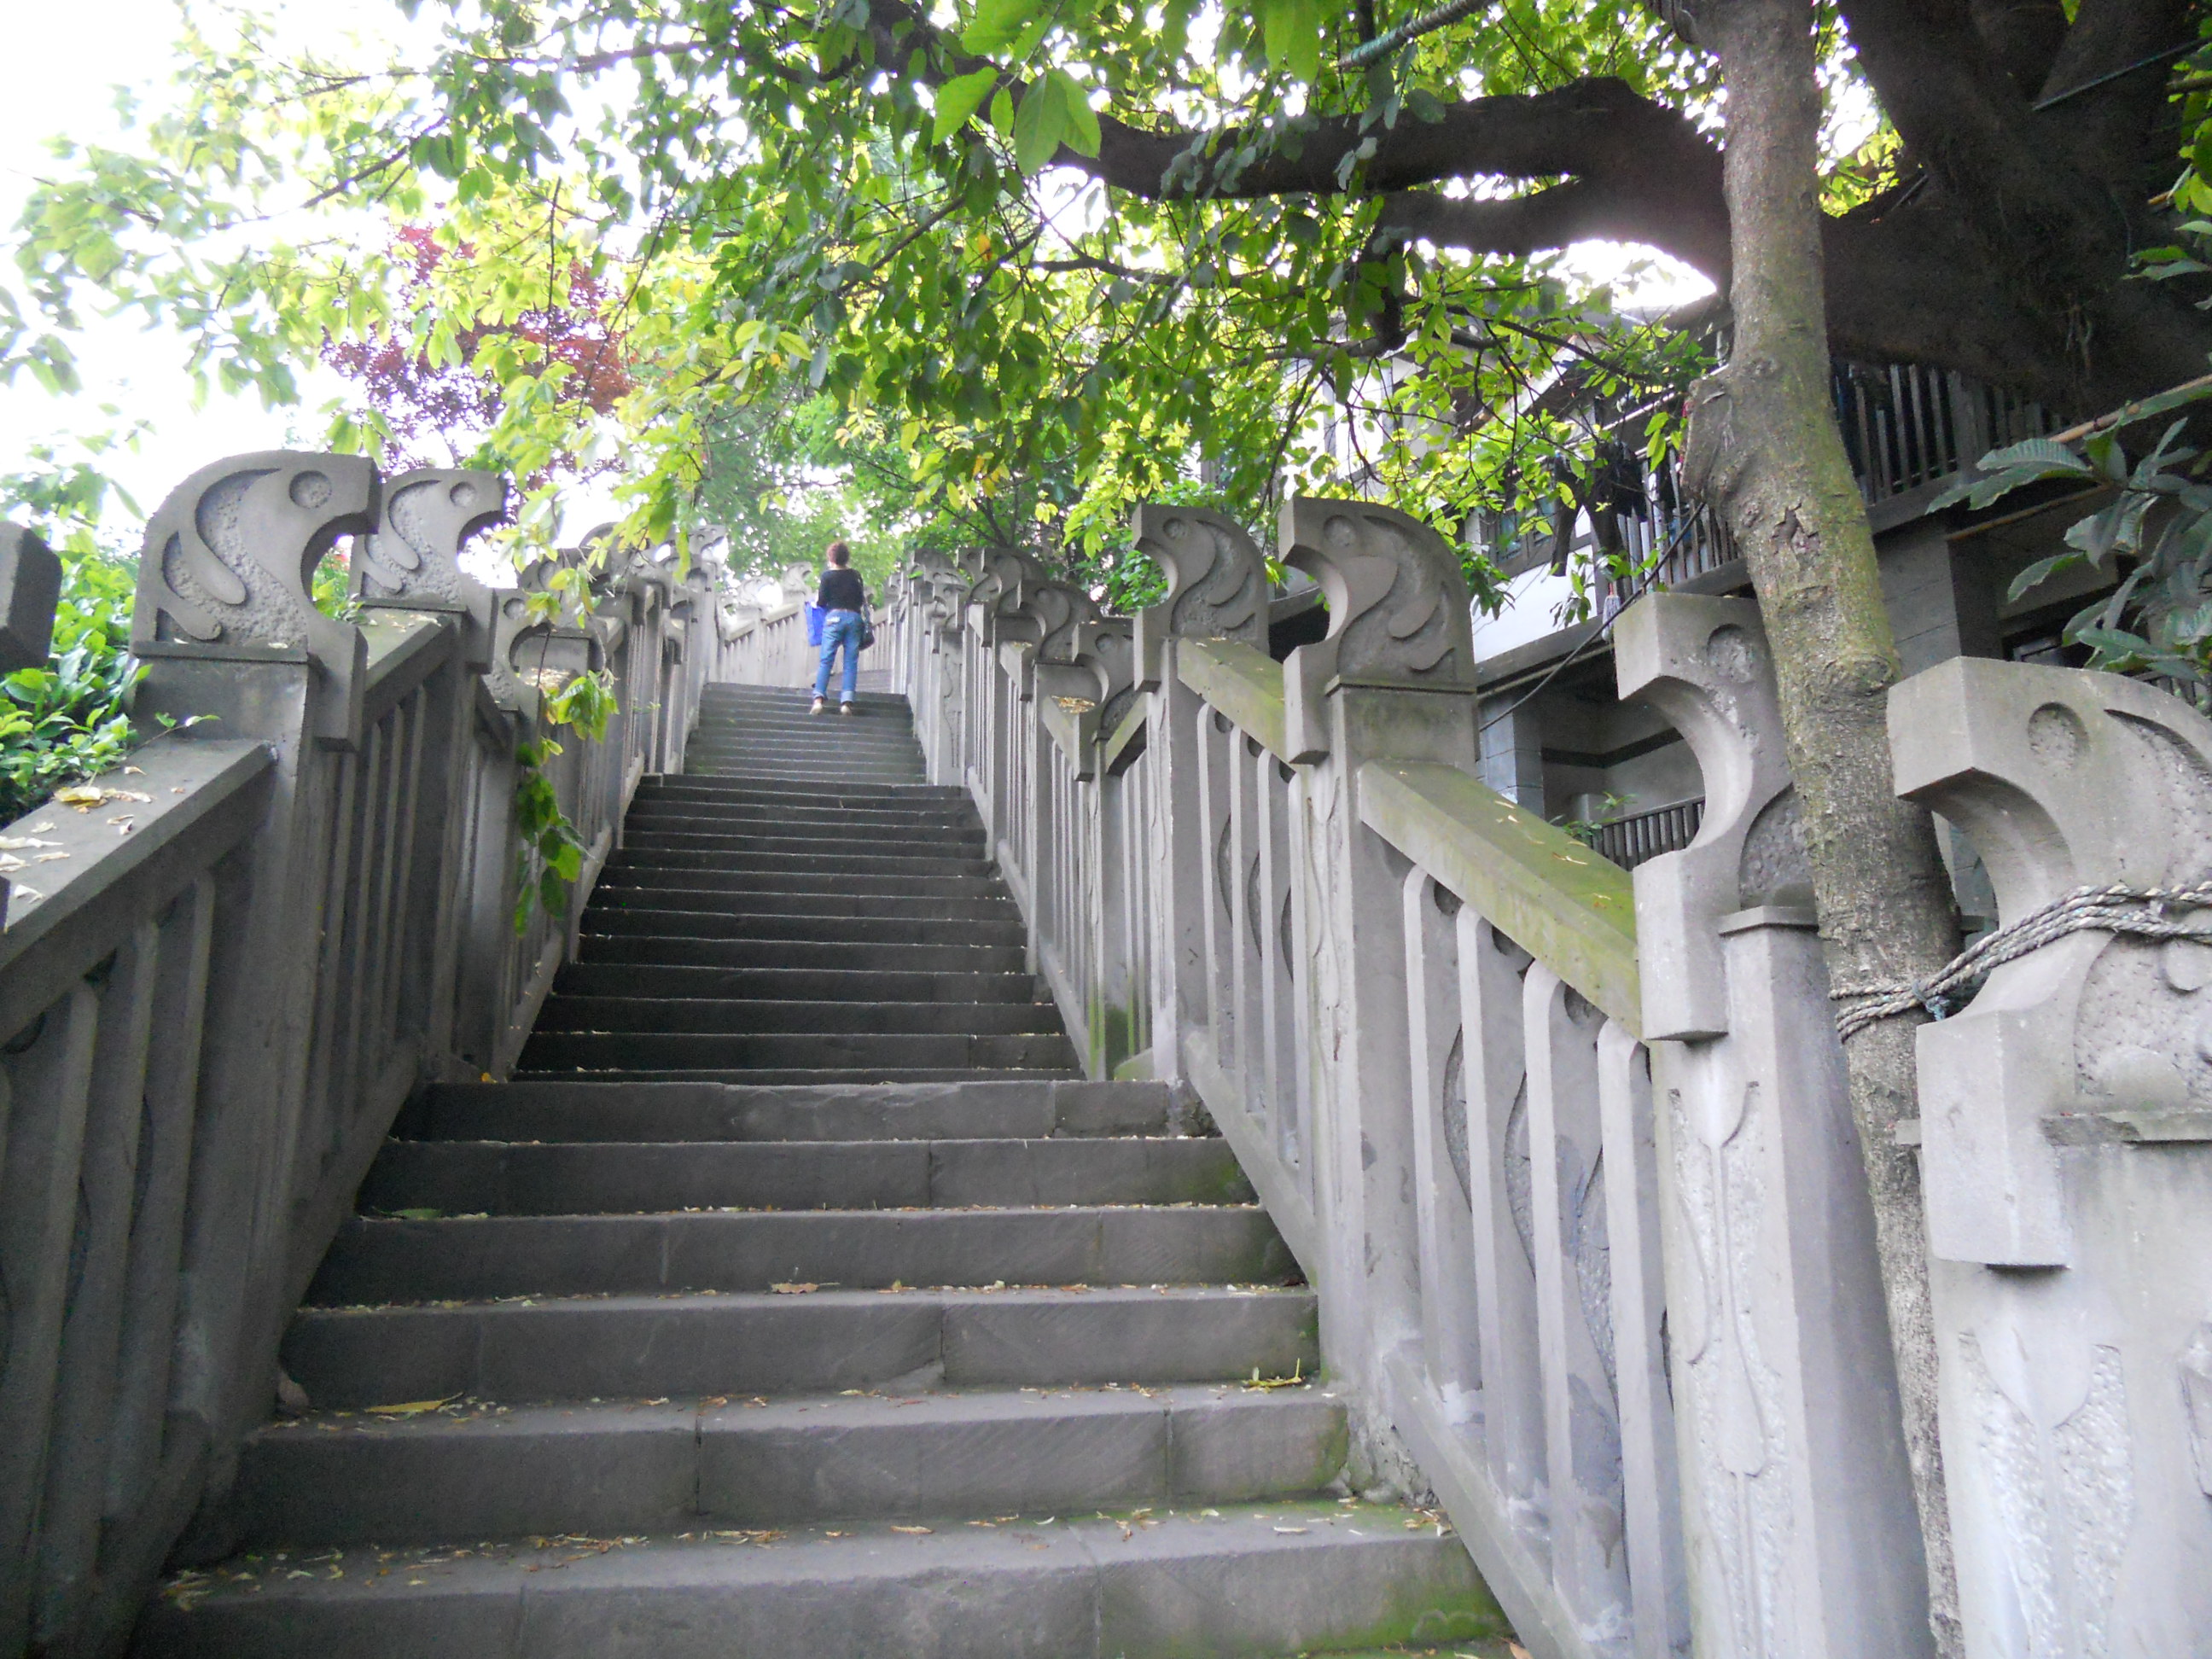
{"points": [[221, 981], [1571, 909]]}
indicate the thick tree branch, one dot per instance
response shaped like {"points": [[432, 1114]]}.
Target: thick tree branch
{"points": [[2024, 37], [1672, 215]]}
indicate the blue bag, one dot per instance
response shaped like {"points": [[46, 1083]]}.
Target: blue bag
{"points": [[814, 615]]}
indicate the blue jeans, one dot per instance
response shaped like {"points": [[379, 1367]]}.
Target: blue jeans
{"points": [[839, 628]]}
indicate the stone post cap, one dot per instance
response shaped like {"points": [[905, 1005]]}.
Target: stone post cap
{"points": [[1217, 578], [1397, 597], [229, 562], [1705, 664], [411, 560]]}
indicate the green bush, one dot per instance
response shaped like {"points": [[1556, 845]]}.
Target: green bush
{"points": [[65, 721]]}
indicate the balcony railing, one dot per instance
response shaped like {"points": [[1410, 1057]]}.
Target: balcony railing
{"points": [[1627, 841]]}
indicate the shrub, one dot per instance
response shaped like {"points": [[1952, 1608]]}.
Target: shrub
{"points": [[65, 721]]}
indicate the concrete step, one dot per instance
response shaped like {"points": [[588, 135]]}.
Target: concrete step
{"points": [[881, 798], [795, 984], [854, 956], [722, 862], [950, 909], [633, 873], [828, 773], [472, 1178], [648, 1345], [799, 1075], [675, 925], [815, 829], [827, 1051], [1019, 1110], [475, 1258], [811, 740], [682, 799], [824, 778], [1234, 1582], [731, 852], [478, 1471], [698, 1016]]}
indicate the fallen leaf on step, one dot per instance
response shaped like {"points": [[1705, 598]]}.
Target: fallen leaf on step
{"points": [[414, 1407], [17, 843], [1298, 1531], [910, 1530], [793, 1289]]}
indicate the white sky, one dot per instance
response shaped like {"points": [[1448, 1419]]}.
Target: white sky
{"points": [[55, 78]]}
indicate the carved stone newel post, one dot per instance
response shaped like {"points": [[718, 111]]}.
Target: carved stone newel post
{"points": [[1217, 590], [2066, 1158], [1392, 681], [1796, 1503]]}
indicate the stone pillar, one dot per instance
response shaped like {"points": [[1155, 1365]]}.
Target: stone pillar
{"points": [[234, 648], [1797, 1505], [1513, 751], [408, 566], [2066, 1155], [1393, 680], [1217, 590]]}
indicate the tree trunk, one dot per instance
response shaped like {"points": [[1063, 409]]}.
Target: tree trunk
{"points": [[1765, 450]]}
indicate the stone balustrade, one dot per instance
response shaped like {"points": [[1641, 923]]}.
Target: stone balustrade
{"points": [[1568, 1153], [220, 984]]}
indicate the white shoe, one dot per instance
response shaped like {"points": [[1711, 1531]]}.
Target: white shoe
{"points": [[818, 706]]}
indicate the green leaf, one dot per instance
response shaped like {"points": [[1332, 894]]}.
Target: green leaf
{"points": [[1038, 125], [960, 98], [2035, 574], [2034, 452], [1002, 112], [1082, 121], [1292, 32], [995, 25]]}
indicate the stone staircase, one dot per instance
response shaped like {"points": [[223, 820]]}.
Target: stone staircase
{"points": [[800, 1298]]}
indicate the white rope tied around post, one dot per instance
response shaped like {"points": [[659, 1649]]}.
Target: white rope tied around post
{"points": [[2136, 912]]}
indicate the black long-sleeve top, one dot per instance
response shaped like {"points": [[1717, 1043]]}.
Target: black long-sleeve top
{"points": [[841, 590]]}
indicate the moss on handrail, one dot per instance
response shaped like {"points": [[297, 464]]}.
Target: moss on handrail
{"points": [[1245, 684], [1572, 910]]}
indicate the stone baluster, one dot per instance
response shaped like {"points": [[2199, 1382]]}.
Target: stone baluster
{"points": [[1797, 1514], [30, 589], [234, 648]]}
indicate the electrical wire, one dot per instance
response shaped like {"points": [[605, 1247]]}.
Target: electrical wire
{"points": [[1601, 631]]}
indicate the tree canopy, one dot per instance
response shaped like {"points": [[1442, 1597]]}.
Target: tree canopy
{"points": [[1015, 264]]}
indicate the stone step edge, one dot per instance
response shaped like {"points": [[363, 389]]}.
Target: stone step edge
{"points": [[941, 1297], [508, 1469], [1314, 1576]]}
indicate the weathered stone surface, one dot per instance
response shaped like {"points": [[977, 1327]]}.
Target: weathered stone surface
{"points": [[227, 563], [411, 560], [1772, 1288], [2073, 1398]]}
